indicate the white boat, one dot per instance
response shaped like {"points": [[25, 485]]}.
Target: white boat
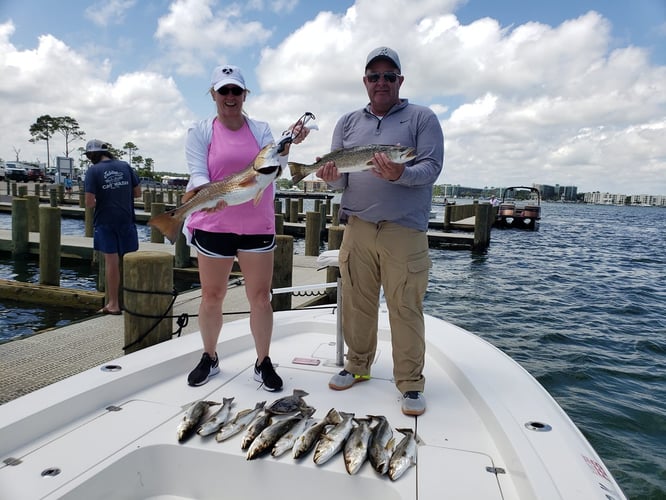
{"points": [[490, 431]]}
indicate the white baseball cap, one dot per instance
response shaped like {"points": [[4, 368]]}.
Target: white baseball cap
{"points": [[96, 145], [225, 75]]}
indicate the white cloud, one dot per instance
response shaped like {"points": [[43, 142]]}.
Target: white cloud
{"points": [[108, 12], [146, 108], [193, 33], [518, 104]]}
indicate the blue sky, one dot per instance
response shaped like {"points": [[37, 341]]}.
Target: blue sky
{"points": [[568, 92]]}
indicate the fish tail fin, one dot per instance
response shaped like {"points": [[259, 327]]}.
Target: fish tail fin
{"points": [[167, 224], [298, 172]]}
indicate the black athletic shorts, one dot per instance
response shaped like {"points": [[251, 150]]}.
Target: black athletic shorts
{"points": [[227, 245]]}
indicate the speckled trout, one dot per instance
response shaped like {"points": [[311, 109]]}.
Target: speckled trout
{"points": [[354, 159], [249, 184]]}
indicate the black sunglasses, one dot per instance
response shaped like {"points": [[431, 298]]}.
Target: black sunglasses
{"points": [[389, 76], [233, 90]]}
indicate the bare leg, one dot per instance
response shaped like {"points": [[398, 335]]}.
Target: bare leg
{"points": [[214, 276], [258, 273], [112, 276]]}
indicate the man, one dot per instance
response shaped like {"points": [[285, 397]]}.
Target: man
{"points": [[111, 186], [385, 242]]}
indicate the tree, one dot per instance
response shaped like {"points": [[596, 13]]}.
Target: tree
{"points": [[131, 148], [42, 130], [69, 127], [16, 152]]}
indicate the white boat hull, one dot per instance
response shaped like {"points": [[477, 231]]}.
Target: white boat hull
{"points": [[490, 430]]}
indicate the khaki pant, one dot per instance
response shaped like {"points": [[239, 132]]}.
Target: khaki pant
{"points": [[396, 258]]}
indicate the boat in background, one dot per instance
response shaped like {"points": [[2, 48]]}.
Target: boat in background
{"points": [[520, 208], [491, 431]]}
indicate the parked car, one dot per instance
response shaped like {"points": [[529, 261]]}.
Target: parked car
{"points": [[35, 174], [18, 174]]}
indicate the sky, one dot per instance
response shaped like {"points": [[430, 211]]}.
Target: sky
{"points": [[570, 92]]}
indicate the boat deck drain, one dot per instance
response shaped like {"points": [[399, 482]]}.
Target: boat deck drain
{"points": [[538, 427]]}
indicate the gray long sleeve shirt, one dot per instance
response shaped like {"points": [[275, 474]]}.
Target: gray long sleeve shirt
{"points": [[406, 201]]}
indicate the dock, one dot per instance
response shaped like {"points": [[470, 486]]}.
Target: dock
{"points": [[33, 362]]}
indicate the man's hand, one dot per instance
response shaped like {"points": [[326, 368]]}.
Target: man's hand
{"points": [[385, 168], [329, 172]]}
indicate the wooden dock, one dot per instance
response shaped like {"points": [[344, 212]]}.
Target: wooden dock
{"points": [[453, 234]]}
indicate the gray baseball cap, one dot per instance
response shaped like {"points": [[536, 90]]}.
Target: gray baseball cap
{"points": [[384, 53]]}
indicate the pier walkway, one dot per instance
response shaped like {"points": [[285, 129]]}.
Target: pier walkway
{"points": [[46, 357]]}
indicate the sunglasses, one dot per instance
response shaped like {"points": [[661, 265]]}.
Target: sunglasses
{"points": [[389, 76], [233, 90]]}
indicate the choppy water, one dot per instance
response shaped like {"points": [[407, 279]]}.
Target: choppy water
{"points": [[581, 304]]}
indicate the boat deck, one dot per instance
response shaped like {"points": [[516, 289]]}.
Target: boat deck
{"points": [[110, 432]]}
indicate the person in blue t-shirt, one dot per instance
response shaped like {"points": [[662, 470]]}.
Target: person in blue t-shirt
{"points": [[111, 186], [68, 186]]}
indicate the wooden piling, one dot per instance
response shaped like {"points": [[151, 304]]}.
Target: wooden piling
{"points": [[33, 213], [20, 233], [147, 200], [482, 226], [335, 214], [279, 223], [283, 262], [148, 293], [156, 235], [53, 197], [49, 246], [312, 233], [182, 256], [293, 211], [323, 217], [335, 234]]}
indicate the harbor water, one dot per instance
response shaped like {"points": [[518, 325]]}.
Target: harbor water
{"points": [[580, 304]]}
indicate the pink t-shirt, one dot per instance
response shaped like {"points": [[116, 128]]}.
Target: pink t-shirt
{"points": [[231, 151]]}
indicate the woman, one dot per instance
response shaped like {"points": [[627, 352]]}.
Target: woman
{"points": [[216, 148]]}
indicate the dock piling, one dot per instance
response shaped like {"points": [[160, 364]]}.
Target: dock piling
{"points": [[283, 262], [49, 246], [147, 296], [20, 233]]}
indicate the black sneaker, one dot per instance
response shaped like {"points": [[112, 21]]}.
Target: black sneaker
{"points": [[206, 368], [265, 373]]}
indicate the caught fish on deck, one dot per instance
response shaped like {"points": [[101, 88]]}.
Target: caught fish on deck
{"points": [[333, 441], [404, 455], [270, 435], [308, 439], [356, 446], [217, 419], [288, 404], [355, 159], [286, 442], [238, 188], [193, 416], [381, 444], [242, 419], [254, 428]]}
